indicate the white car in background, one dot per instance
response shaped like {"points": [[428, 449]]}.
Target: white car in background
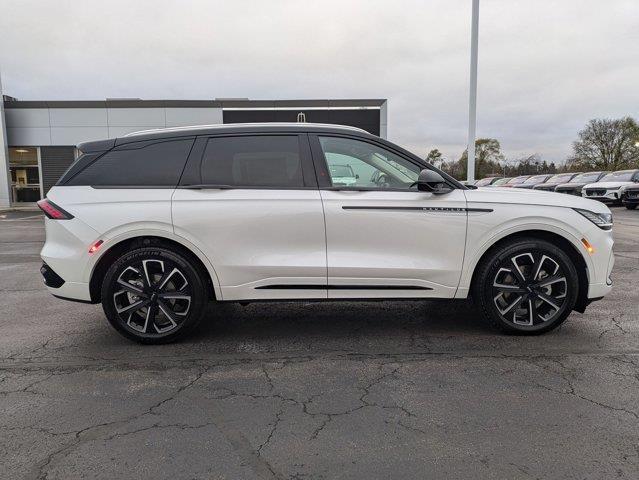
{"points": [[154, 225], [609, 188]]}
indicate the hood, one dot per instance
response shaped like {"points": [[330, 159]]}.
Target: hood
{"points": [[532, 197], [606, 185]]}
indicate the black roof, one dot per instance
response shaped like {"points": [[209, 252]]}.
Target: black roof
{"points": [[177, 132]]}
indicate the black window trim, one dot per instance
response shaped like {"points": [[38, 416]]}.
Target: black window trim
{"points": [[192, 177], [324, 178]]}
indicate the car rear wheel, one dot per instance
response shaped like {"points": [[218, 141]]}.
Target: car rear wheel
{"points": [[526, 286], [631, 206], [153, 295]]}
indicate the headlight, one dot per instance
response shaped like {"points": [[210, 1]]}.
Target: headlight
{"points": [[613, 189], [602, 220]]}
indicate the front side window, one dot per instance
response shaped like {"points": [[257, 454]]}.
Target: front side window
{"points": [[253, 161], [358, 164], [158, 164]]}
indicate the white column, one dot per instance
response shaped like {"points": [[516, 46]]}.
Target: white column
{"points": [[5, 177], [472, 101]]}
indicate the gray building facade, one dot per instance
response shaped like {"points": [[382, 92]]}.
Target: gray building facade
{"points": [[38, 138]]}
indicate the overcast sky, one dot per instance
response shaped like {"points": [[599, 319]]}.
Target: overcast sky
{"points": [[545, 67]]}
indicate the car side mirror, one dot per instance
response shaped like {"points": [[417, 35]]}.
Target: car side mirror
{"points": [[431, 181]]}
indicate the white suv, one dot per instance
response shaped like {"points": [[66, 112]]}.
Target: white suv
{"points": [[155, 224]]}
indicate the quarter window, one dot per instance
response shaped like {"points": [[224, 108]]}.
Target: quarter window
{"points": [[357, 164], [159, 164], [253, 161]]}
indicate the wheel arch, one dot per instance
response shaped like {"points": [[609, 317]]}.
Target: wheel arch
{"points": [[119, 247], [562, 242]]}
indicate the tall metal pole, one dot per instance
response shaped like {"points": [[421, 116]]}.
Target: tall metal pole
{"points": [[472, 101]]}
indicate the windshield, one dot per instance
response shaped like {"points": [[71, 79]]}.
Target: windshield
{"points": [[536, 179], [561, 178], [341, 171], [517, 180], [623, 176], [484, 181], [502, 181], [586, 177]]}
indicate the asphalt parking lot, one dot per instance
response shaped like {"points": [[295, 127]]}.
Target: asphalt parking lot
{"points": [[315, 391]]}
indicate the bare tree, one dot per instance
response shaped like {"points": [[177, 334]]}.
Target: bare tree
{"points": [[607, 144]]}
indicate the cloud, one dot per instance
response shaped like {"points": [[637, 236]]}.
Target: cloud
{"points": [[545, 67]]}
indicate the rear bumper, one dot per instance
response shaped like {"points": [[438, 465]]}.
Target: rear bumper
{"points": [[65, 256], [58, 287]]}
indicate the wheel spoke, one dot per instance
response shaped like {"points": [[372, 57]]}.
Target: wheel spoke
{"points": [[551, 280], [169, 314], [131, 288], [163, 281], [532, 309], [520, 275], [133, 307], [512, 305], [509, 288], [150, 317], [145, 267], [549, 300]]}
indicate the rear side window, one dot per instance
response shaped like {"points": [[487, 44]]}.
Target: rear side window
{"points": [[253, 161], [158, 164]]}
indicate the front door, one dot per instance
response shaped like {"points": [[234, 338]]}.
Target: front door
{"points": [[384, 238]]}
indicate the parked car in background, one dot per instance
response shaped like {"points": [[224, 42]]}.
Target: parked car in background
{"points": [[607, 189], [550, 184], [343, 175], [574, 186], [630, 196], [501, 182], [532, 181], [516, 181], [251, 212], [485, 182]]}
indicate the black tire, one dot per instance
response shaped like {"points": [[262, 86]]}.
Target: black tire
{"points": [[631, 206], [164, 300], [500, 281]]}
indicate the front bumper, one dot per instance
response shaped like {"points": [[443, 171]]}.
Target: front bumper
{"points": [[609, 196], [570, 191], [631, 198]]}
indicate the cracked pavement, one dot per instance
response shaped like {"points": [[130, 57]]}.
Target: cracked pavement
{"points": [[315, 391]]}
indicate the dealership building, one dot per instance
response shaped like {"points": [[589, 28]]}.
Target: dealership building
{"points": [[38, 138]]}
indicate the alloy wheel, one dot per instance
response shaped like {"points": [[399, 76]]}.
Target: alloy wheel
{"points": [[152, 296], [529, 288]]}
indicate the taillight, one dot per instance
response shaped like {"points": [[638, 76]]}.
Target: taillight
{"points": [[51, 210]]}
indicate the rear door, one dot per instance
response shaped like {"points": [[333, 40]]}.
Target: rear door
{"points": [[250, 202], [384, 237]]}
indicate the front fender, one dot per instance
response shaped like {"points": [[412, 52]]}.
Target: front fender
{"points": [[486, 229]]}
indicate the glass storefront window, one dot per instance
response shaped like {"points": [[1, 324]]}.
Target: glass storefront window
{"points": [[25, 174]]}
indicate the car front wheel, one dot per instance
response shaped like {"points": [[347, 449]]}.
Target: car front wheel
{"points": [[153, 295], [526, 286], [631, 206]]}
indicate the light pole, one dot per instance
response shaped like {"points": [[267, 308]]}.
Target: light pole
{"points": [[472, 101]]}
